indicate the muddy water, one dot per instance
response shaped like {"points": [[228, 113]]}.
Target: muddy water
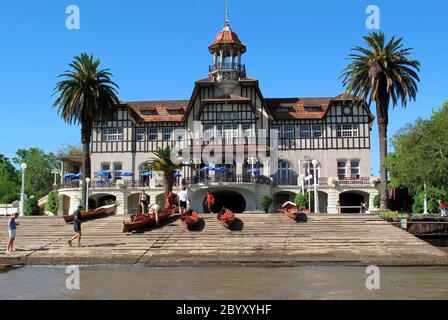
{"points": [[119, 282]]}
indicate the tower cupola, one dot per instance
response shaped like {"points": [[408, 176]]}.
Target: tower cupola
{"points": [[227, 50]]}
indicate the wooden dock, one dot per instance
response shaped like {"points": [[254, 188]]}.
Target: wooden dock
{"points": [[257, 239]]}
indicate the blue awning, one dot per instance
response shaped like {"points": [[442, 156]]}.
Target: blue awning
{"points": [[147, 174], [221, 169], [105, 174], [255, 170], [128, 174]]}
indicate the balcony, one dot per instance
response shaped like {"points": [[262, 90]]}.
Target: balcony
{"points": [[354, 181], [228, 67], [228, 178]]}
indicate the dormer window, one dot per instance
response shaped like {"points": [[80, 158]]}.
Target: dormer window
{"points": [[148, 112], [313, 108], [283, 109], [175, 111]]}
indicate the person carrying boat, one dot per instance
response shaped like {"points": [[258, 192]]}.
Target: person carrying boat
{"points": [[76, 226], [155, 210], [12, 227], [209, 201], [143, 201], [169, 203], [184, 198]]}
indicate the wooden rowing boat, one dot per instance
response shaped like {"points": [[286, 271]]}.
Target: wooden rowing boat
{"points": [[290, 209], [141, 221], [101, 211], [226, 217], [190, 219]]}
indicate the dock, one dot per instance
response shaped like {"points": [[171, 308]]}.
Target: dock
{"points": [[257, 240]]}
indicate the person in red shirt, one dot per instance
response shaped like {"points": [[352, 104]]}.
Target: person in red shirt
{"points": [[209, 201], [170, 202]]}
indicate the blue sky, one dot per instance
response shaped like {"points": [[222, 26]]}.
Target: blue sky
{"points": [[156, 49]]}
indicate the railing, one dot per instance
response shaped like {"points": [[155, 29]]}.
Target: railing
{"points": [[354, 181], [231, 178], [227, 67]]}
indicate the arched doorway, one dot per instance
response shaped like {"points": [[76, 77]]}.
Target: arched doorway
{"points": [[229, 199], [134, 203], [99, 200], [281, 197], [65, 204], [351, 201]]}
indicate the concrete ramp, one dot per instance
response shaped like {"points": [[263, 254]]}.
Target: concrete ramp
{"points": [[257, 239]]}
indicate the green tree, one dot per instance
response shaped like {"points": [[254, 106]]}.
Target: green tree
{"points": [[52, 202], [86, 94], [265, 203], [38, 176], [382, 73], [31, 207], [9, 181], [433, 196], [301, 201], [163, 161]]}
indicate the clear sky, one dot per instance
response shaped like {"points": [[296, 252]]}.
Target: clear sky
{"points": [[156, 49]]}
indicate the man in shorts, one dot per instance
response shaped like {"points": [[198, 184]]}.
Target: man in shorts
{"points": [[184, 198]]}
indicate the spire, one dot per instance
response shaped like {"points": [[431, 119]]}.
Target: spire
{"points": [[227, 21]]}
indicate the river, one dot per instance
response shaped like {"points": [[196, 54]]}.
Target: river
{"points": [[120, 282]]}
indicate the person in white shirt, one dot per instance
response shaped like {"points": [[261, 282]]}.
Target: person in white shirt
{"points": [[155, 209], [184, 198]]}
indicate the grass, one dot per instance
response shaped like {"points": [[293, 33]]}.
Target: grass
{"points": [[392, 214]]}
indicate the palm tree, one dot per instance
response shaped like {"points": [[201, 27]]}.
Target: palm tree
{"points": [[382, 73], [86, 94], [163, 161]]}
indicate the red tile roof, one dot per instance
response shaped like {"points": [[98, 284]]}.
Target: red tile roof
{"points": [[227, 36], [298, 108], [161, 110]]}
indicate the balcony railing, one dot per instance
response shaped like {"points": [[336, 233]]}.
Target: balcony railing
{"points": [[231, 178], [227, 67], [354, 181]]}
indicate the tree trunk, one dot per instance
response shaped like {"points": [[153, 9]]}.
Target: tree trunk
{"points": [[382, 110], [169, 182], [86, 133]]}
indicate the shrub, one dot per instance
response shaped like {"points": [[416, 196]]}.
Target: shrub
{"points": [[31, 207], [52, 202], [377, 201], [265, 203], [301, 201], [433, 197]]}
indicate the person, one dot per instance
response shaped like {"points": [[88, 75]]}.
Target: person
{"points": [[338, 207], [169, 203], [183, 199], [154, 210], [12, 227], [143, 201], [209, 201], [76, 226]]}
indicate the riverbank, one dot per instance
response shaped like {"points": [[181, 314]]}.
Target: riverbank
{"points": [[258, 240]]}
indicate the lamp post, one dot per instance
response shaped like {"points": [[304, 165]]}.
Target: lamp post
{"points": [[87, 193], [425, 201], [23, 166], [252, 160], [55, 172], [316, 198]]}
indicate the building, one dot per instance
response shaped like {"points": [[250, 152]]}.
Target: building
{"points": [[228, 114]]}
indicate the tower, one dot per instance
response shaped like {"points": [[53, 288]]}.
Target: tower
{"points": [[227, 50]]}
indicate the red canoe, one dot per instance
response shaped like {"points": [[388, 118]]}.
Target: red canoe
{"points": [[144, 220], [101, 211], [190, 219], [226, 217]]}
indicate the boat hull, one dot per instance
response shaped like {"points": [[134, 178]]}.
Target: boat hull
{"points": [[226, 217], [190, 220], [99, 212], [142, 221]]}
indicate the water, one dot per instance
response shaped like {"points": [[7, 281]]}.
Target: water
{"points": [[120, 282]]}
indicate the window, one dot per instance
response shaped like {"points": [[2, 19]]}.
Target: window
{"points": [[354, 169], [289, 132], [347, 130], [105, 166], [247, 130], [304, 131], [312, 109], [284, 173], [152, 134], [342, 170], [175, 111], [282, 109], [208, 131], [167, 133], [118, 168], [235, 115], [219, 116], [317, 131], [148, 112], [140, 134], [112, 134]]}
